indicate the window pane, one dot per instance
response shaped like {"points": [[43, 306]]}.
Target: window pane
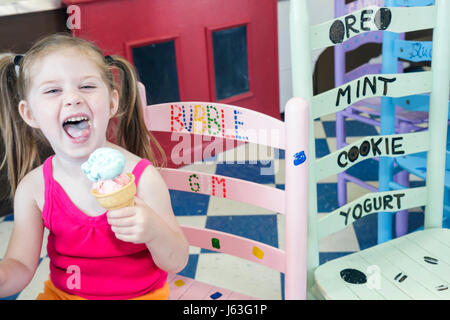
{"points": [[157, 69], [230, 62]]}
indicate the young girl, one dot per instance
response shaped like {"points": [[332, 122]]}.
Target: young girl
{"points": [[65, 91]]}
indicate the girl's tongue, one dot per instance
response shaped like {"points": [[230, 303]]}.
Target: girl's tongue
{"points": [[77, 129]]}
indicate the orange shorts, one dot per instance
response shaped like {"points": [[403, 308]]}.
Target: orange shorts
{"points": [[53, 293]]}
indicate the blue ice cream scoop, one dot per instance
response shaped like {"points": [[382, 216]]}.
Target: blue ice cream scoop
{"points": [[103, 164]]}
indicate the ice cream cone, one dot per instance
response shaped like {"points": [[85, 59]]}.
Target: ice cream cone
{"points": [[124, 197]]}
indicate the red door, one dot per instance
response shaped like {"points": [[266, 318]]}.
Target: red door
{"points": [[196, 50]]}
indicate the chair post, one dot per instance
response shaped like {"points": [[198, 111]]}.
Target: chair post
{"points": [[296, 197], [440, 66], [302, 87], [387, 126], [339, 72]]}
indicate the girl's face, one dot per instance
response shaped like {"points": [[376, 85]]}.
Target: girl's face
{"points": [[69, 101]]}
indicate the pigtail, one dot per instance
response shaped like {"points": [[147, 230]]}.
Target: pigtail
{"points": [[131, 131], [21, 153]]}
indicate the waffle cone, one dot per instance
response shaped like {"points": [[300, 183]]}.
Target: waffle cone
{"points": [[124, 197]]}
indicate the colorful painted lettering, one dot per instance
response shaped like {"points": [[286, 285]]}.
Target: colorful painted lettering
{"points": [[391, 145], [357, 92], [352, 24], [195, 184], [206, 119], [373, 204]]}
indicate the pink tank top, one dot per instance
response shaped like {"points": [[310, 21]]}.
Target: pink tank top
{"points": [[86, 258]]}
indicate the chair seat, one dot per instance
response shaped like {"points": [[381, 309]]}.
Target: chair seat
{"points": [[183, 288], [415, 266]]}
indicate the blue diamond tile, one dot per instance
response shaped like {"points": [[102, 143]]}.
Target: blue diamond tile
{"points": [[262, 228], [188, 203], [322, 148], [328, 256], [191, 267], [327, 197]]}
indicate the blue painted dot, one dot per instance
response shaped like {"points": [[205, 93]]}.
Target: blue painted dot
{"points": [[216, 295], [299, 158]]}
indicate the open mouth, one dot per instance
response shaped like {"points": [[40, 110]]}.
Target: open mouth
{"points": [[77, 128]]}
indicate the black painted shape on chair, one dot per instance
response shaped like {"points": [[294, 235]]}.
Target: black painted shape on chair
{"points": [[353, 276], [383, 18], [337, 31], [430, 260], [400, 277], [345, 27]]}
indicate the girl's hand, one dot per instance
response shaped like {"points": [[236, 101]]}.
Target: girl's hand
{"points": [[135, 224]]}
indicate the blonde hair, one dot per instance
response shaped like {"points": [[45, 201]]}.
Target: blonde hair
{"points": [[127, 128]]}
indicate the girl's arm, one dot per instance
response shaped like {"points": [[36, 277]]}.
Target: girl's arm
{"points": [[24, 248], [153, 222]]}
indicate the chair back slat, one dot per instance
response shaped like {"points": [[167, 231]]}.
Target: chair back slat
{"points": [[414, 51], [370, 147], [371, 18], [252, 193], [416, 102], [244, 248], [388, 201], [372, 85], [216, 120]]}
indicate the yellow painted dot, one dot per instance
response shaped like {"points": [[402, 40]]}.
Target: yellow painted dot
{"points": [[257, 252], [179, 283]]}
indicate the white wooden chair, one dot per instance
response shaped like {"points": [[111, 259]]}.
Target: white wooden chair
{"points": [[414, 266]]}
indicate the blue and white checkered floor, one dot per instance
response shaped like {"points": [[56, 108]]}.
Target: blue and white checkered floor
{"points": [[262, 225]]}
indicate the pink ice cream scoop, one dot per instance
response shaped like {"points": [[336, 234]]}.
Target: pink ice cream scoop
{"points": [[111, 185]]}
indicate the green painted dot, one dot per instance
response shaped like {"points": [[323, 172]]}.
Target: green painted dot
{"points": [[215, 243]]}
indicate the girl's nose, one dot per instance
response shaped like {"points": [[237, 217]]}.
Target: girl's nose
{"points": [[72, 103], [73, 99]]}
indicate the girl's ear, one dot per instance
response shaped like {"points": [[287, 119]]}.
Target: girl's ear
{"points": [[114, 106], [27, 114]]}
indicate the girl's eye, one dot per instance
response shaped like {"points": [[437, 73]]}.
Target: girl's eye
{"points": [[51, 91], [88, 87]]}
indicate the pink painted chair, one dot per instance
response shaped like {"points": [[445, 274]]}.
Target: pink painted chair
{"points": [[236, 123]]}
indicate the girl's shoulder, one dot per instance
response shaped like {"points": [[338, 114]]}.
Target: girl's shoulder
{"points": [[34, 178], [33, 185]]}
